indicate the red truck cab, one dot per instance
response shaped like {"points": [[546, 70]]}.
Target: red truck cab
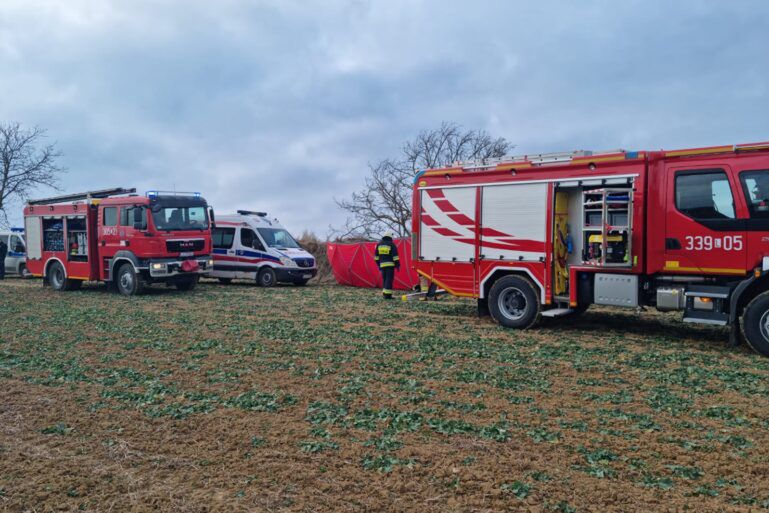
{"points": [[118, 237]]}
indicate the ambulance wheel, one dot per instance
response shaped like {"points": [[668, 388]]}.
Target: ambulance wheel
{"points": [[266, 277], [187, 283], [755, 323], [24, 272], [513, 302], [226, 281], [128, 281]]}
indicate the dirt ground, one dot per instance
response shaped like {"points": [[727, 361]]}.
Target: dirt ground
{"points": [[322, 398]]}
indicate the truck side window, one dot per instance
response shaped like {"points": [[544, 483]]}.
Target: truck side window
{"points": [[223, 237], [110, 216], [755, 185], [249, 239], [704, 194], [127, 217]]}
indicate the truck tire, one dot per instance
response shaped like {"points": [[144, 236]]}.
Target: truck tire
{"points": [[513, 302], [128, 281], [58, 280], [755, 323], [266, 277], [226, 281], [24, 272], [186, 283]]}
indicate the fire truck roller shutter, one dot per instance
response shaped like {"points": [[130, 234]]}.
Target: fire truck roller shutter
{"points": [[33, 236], [447, 224], [514, 219]]}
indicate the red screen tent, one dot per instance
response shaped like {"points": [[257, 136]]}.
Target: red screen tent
{"points": [[353, 264]]}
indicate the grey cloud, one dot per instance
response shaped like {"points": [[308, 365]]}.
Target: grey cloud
{"points": [[280, 105]]}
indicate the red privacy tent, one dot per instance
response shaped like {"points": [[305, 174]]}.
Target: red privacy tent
{"points": [[353, 264]]}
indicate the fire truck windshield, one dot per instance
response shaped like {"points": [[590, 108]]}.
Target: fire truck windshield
{"points": [[278, 238], [179, 218]]}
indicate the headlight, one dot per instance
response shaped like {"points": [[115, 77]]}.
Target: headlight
{"points": [[210, 262], [158, 267], [286, 261]]}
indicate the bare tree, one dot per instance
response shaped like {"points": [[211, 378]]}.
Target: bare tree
{"points": [[384, 202], [25, 163]]}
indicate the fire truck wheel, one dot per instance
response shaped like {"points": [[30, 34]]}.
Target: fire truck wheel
{"points": [[187, 283], [57, 278], [128, 282], [755, 323], [266, 277], [513, 302]]}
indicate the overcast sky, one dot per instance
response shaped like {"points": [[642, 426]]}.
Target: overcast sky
{"points": [[280, 105]]}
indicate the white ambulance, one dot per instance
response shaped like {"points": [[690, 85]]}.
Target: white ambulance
{"points": [[16, 258], [251, 246]]}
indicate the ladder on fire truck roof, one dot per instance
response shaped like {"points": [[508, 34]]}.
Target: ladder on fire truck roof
{"points": [[536, 159], [80, 196], [543, 159]]}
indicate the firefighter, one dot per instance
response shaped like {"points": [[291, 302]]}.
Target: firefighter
{"points": [[3, 252], [386, 256]]}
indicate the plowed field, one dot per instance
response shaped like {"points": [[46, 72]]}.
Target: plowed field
{"points": [[237, 398]]}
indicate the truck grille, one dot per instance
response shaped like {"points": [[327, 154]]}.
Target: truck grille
{"points": [[304, 262], [181, 246]]}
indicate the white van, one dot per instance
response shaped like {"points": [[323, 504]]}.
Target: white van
{"points": [[16, 258], [249, 245]]}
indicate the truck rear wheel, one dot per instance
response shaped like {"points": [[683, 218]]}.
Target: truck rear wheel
{"points": [[266, 277], [513, 302], [755, 323], [128, 281], [57, 278]]}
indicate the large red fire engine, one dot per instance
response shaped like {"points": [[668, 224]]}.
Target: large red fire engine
{"points": [[549, 235], [121, 238]]}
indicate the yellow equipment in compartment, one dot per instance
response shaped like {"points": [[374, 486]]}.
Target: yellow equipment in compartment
{"points": [[560, 249], [598, 238]]}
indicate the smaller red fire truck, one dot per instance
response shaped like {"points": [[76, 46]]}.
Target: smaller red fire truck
{"points": [[118, 237], [549, 235]]}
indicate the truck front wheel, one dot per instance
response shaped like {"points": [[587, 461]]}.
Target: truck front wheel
{"points": [[513, 302], [128, 281], [755, 323]]}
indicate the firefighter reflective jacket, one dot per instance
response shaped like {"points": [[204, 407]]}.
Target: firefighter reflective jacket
{"points": [[386, 254]]}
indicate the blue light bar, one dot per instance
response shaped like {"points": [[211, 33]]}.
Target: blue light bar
{"points": [[19, 230], [152, 194], [196, 194]]}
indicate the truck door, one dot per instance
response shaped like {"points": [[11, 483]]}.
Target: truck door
{"points": [[704, 222], [109, 238]]}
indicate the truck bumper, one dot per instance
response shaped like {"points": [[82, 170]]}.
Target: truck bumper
{"points": [[160, 268], [294, 275]]}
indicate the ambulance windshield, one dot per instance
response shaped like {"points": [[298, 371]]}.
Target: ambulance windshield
{"points": [[180, 218], [278, 238]]}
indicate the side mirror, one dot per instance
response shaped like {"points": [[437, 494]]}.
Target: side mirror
{"points": [[211, 217], [138, 221]]}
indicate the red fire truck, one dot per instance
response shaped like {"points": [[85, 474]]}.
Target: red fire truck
{"points": [[549, 235], [118, 237]]}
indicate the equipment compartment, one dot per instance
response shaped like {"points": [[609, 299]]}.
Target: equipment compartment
{"points": [[607, 226]]}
